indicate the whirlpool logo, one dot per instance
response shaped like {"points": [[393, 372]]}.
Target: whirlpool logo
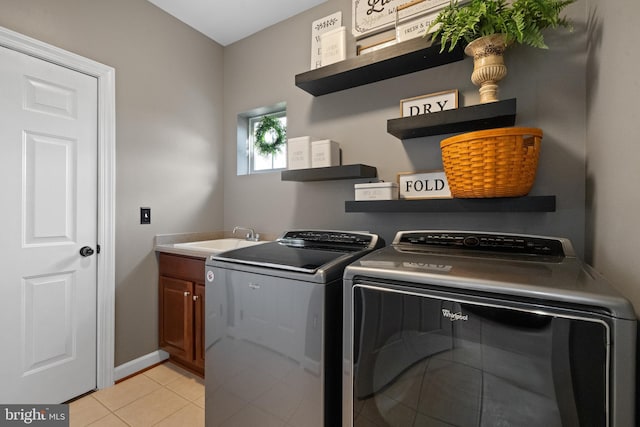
{"points": [[448, 314]]}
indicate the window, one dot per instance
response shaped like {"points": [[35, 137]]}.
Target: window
{"points": [[249, 160]]}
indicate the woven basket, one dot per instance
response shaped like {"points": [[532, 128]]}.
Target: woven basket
{"points": [[492, 163]]}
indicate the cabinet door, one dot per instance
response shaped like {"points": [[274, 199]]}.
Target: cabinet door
{"points": [[176, 317], [198, 308]]}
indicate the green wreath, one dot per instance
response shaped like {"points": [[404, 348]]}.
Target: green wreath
{"points": [[270, 124]]}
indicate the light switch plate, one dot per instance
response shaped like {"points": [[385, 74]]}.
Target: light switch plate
{"points": [[145, 215]]}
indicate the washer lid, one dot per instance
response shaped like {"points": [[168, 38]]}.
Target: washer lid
{"points": [[279, 255], [305, 251]]}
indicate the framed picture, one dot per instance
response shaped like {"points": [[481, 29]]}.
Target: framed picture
{"points": [[423, 185], [416, 27], [362, 49], [319, 27], [430, 103], [373, 16]]}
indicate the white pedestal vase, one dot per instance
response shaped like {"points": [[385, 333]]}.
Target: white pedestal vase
{"points": [[488, 65]]}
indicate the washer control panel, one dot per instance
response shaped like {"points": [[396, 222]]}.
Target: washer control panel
{"points": [[330, 238]]}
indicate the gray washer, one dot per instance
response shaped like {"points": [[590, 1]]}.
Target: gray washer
{"points": [[274, 329]]}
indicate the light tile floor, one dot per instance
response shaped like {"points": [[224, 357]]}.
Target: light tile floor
{"points": [[164, 396]]}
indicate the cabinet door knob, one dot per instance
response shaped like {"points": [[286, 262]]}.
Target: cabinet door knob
{"points": [[195, 297], [186, 294]]}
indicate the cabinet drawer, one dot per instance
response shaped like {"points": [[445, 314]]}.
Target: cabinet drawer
{"points": [[182, 267]]}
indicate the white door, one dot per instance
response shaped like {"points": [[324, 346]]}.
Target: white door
{"points": [[48, 212]]}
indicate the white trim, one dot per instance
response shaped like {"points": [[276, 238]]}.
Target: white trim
{"points": [[139, 364], [105, 75]]}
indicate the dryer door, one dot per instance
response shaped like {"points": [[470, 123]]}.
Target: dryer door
{"points": [[428, 358]]}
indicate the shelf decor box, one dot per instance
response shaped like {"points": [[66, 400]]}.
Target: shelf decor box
{"points": [[299, 152], [333, 46], [325, 153], [376, 191]]}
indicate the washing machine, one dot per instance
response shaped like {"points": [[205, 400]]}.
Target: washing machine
{"points": [[274, 329]]}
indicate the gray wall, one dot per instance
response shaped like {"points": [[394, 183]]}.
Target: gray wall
{"points": [[168, 118], [613, 149], [549, 86]]}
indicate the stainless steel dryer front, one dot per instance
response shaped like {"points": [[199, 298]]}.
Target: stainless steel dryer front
{"points": [[454, 328]]}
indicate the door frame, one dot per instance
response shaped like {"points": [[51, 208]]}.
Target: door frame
{"points": [[105, 75]]}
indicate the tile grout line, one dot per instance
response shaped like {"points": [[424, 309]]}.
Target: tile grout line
{"points": [[180, 375], [177, 410], [110, 413], [162, 386]]}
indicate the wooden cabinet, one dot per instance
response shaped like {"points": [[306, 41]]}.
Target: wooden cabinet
{"points": [[182, 298]]}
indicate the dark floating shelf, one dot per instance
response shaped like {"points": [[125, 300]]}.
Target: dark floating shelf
{"points": [[330, 173], [465, 119], [393, 61], [501, 204]]}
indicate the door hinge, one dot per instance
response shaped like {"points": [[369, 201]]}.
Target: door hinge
{"points": [[97, 249]]}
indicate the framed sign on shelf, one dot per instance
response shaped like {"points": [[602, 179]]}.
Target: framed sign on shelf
{"points": [[319, 27], [430, 103], [367, 48], [417, 27], [373, 16], [423, 185]]}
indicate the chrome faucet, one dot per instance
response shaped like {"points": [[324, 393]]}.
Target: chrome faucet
{"points": [[251, 235]]}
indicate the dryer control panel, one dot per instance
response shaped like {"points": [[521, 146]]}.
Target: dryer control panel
{"points": [[485, 242]]}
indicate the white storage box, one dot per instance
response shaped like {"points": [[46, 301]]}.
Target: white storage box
{"points": [[333, 46], [325, 153], [376, 191], [299, 152]]}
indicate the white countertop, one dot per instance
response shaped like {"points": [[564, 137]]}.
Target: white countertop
{"points": [[166, 242], [174, 243]]}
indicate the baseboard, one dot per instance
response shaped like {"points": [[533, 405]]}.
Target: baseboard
{"points": [[139, 364]]}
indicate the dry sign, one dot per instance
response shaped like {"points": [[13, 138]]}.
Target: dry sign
{"points": [[423, 185], [431, 103]]}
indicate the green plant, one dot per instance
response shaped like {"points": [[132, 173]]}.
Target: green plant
{"points": [[522, 21]]}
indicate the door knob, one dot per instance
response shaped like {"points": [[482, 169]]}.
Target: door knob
{"points": [[86, 251]]}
